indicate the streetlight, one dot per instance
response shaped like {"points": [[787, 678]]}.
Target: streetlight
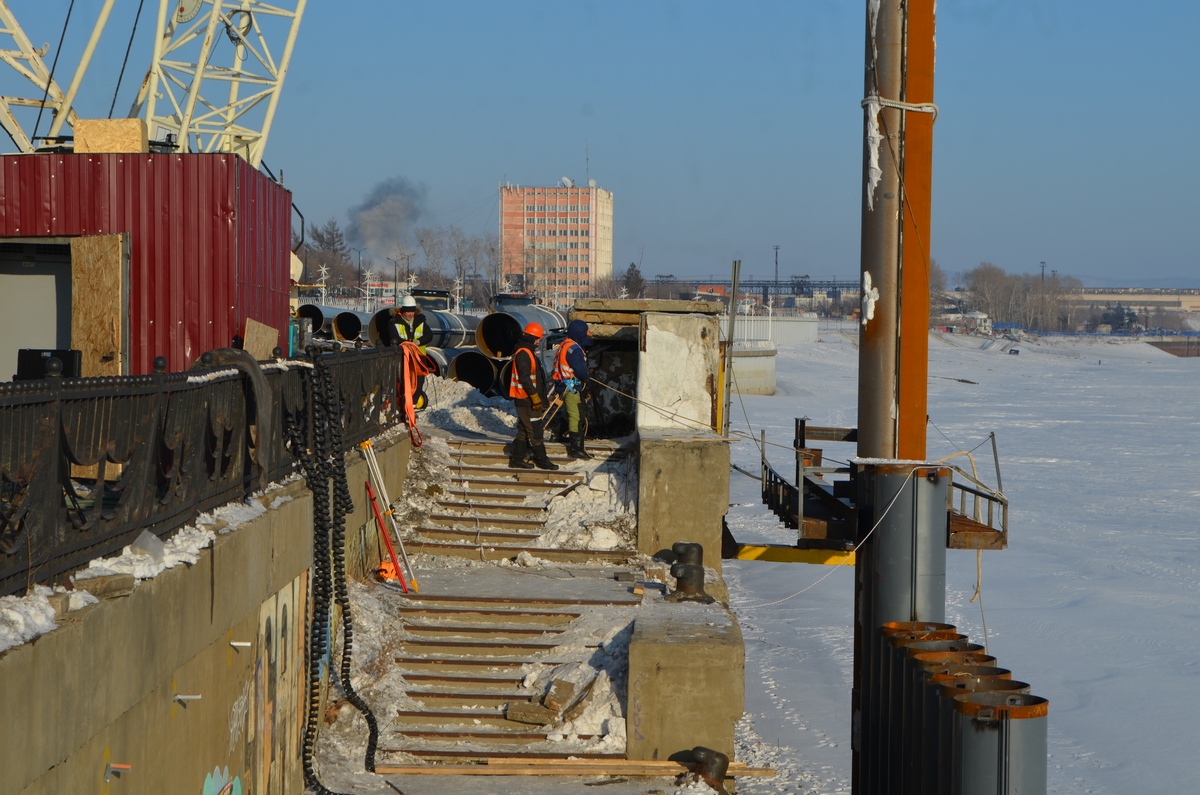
{"points": [[775, 287], [360, 253]]}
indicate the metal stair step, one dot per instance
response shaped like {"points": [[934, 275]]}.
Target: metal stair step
{"points": [[497, 522], [503, 552]]}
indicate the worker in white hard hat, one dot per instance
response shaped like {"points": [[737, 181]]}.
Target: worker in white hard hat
{"points": [[408, 325]]}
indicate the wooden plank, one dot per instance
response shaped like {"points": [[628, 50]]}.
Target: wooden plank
{"points": [[608, 331], [611, 318], [99, 304], [260, 340], [648, 305], [583, 767], [738, 768]]}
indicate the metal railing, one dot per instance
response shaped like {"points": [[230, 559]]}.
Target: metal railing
{"points": [[87, 464]]}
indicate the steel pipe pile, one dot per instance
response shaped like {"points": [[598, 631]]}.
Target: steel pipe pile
{"points": [[934, 714]]}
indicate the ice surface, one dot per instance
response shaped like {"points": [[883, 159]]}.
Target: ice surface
{"points": [[1094, 601]]}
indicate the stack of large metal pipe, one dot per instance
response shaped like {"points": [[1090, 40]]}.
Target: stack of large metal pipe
{"points": [[936, 715], [496, 337]]}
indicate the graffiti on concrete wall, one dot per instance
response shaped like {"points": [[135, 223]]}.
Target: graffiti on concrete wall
{"points": [[218, 782], [274, 729]]}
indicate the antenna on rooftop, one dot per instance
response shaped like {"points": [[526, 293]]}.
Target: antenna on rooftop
{"points": [[568, 182]]}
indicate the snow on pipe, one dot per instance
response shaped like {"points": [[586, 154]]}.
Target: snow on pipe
{"points": [[474, 368], [448, 330], [499, 332]]}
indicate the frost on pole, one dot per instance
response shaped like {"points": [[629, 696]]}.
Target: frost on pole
{"points": [[874, 141], [874, 137], [870, 295]]}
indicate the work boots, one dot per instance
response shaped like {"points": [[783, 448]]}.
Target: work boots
{"points": [[540, 459], [516, 460], [575, 446]]}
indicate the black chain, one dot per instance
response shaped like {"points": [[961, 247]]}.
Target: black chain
{"points": [[321, 463]]}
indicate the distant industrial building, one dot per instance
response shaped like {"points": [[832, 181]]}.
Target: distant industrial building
{"points": [[556, 242]]}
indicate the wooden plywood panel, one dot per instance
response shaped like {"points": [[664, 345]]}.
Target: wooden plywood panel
{"points": [[99, 303], [110, 135], [261, 340]]}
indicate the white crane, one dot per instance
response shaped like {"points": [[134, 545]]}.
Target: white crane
{"points": [[214, 80]]}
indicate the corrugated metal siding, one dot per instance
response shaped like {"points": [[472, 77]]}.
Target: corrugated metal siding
{"points": [[209, 239], [264, 213]]}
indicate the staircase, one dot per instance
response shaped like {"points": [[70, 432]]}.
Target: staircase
{"points": [[471, 638], [492, 512]]}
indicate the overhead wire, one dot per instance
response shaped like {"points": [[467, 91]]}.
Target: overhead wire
{"points": [[125, 62], [53, 67]]}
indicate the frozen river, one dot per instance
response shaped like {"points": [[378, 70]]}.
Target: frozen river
{"points": [[1095, 602]]}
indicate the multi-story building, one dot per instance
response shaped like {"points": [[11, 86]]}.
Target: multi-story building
{"points": [[555, 242]]}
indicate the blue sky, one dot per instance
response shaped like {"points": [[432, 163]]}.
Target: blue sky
{"points": [[1066, 132]]}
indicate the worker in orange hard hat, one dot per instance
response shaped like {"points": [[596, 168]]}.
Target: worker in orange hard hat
{"points": [[527, 388]]}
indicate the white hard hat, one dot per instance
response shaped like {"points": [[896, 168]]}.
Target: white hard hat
{"points": [[408, 302]]}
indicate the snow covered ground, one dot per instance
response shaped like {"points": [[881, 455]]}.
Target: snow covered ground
{"points": [[1094, 603]]}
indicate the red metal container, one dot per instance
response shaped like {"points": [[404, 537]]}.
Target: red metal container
{"points": [[208, 237]]}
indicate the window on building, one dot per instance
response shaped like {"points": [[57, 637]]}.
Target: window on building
{"points": [[528, 208], [583, 257], [583, 208], [585, 245], [541, 208], [529, 220], [562, 257]]}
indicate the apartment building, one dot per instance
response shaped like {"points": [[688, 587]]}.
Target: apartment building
{"points": [[555, 241]]}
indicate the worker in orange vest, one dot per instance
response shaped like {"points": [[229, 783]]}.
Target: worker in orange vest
{"points": [[527, 388], [571, 373]]}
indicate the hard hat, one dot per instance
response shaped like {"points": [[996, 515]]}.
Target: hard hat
{"points": [[535, 330], [408, 302]]}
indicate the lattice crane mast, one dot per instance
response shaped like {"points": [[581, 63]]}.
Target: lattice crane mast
{"points": [[214, 80]]}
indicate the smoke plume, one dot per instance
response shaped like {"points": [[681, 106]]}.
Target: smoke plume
{"points": [[386, 215]]}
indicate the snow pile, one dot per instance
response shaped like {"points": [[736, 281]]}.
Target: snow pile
{"points": [[427, 481], [24, 618], [596, 516], [457, 406], [183, 547]]}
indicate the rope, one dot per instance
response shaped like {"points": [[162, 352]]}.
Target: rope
{"points": [[979, 595], [918, 107], [414, 366], [840, 563]]}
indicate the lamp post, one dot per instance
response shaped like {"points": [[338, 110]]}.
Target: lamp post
{"points": [[359, 251], [775, 287]]}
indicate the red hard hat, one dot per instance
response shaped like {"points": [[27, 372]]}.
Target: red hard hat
{"points": [[535, 330]]}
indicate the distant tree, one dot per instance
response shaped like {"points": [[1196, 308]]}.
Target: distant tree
{"points": [[605, 287], [634, 284], [327, 247], [432, 242], [937, 285], [993, 291]]}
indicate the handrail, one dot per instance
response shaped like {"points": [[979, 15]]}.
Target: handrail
{"points": [[86, 464]]}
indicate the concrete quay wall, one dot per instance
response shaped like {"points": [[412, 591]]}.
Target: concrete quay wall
{"points": [[102, 688]]}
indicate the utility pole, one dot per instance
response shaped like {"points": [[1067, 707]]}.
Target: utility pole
{"points": [[1043, 273], [900, 561], [775, 287], [360, 253]]}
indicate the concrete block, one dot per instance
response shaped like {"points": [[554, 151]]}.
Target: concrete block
{"points": [[108, 586], [686, 682], [525, 712], [677, 372], [683, 491]]}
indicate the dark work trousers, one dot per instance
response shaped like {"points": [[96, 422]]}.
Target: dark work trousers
{"points": [[528, 428]]}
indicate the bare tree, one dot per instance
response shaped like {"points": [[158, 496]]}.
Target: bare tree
{"points": [[432, 242], [605, 287]]}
